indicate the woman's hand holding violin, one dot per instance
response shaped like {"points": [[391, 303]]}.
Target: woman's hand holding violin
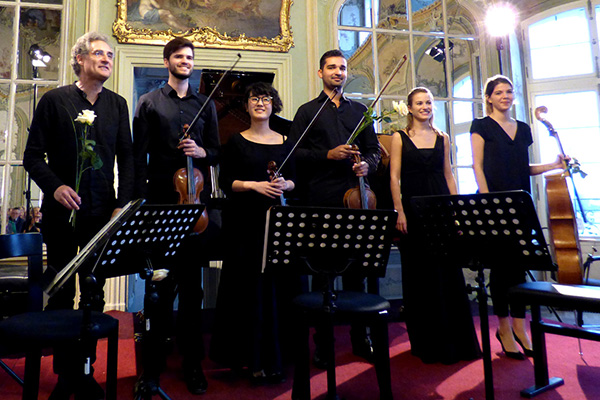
{"points": [[272, 189]]}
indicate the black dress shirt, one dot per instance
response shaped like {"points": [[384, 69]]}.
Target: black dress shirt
{"points": [[157, 130], [323, 182], [51, 154]]}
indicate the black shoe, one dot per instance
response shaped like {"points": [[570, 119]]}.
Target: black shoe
{"points": [[364, 349], [88, 389], [63, 389], [528, 352], [510, 354], [195, 380], [275, 378], [145, 387]]}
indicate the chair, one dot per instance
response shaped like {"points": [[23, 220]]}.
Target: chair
{"points": [[330, 242], [20, 284], [34, 330], [350, 307]]}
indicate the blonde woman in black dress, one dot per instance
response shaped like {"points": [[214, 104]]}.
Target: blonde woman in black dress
{"points": [[438, 315]]}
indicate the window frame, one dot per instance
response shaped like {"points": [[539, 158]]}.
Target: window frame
{"points": [[8, 164], [549, 86]]}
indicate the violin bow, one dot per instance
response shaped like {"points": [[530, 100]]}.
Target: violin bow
{"points": [[389, 80], [312, 122], [211, 95]]}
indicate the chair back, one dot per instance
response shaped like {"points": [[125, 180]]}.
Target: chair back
{"points": [[12, 275]]}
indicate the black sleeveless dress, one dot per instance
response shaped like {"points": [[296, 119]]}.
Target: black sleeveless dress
{"points": [[437, 310]]}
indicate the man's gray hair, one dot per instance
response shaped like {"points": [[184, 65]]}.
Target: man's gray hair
{"points": [[82, 46]]}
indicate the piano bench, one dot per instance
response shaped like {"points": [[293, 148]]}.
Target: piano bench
{"points": [[537, 294]]}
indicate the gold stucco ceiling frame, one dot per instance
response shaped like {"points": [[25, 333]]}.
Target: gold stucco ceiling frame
{"points": [[206, 37]]}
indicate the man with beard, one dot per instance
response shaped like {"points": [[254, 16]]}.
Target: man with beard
{"points": [[326, 166], [159, 152]]}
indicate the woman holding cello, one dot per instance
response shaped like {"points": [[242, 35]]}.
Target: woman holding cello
{"points": [[246, 329], [501, 162], [438, 315]]}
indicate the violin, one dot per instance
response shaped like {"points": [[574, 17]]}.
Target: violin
{"points": [[562, 222], [274, 174], [189, 182], [360, 197]]}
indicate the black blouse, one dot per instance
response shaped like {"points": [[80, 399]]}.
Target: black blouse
{"points": [[505, 160]]}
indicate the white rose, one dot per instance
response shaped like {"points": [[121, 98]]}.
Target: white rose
{"points": [[400, 108], [160, 274], [86, 117]]}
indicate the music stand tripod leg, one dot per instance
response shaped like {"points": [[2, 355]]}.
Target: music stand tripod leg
{"points": [[482, 298], [153, 345], [329, 307]]}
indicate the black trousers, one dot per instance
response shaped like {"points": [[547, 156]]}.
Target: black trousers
{"points": [[62, 244], [500, 282]]}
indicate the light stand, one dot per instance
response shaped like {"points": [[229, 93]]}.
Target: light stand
{"points": [[499, 48], [39, 57], [438, 53], [500, 21]]}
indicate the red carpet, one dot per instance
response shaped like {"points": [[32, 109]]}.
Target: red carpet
{"points": [[412, 380]]}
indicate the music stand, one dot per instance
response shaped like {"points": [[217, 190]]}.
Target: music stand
{"points": [[328, 242], [483, 231], [128, 244]]}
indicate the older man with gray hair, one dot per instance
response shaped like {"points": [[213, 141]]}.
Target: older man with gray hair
{"points": [[78, 204]]}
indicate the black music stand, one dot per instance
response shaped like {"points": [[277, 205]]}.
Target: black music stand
{"points": [[330, 242], [484, 231], [128, 244]]}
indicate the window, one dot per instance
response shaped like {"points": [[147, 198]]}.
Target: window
{"points": [[23, 80], [562, 77], [441, 41]]}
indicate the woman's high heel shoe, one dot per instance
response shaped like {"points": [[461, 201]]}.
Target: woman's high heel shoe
{"points": [[517, 355], [528, 352]]}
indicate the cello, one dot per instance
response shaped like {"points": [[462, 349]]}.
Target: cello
{"points": [[562, 222]]}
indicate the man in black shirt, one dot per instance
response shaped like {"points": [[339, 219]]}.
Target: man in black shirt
{"points": [[52, 158], [159, 152], [325, 163]]}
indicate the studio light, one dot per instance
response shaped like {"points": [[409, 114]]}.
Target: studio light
{"points": [[437, 51], [500, 20], [39, 57]]}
